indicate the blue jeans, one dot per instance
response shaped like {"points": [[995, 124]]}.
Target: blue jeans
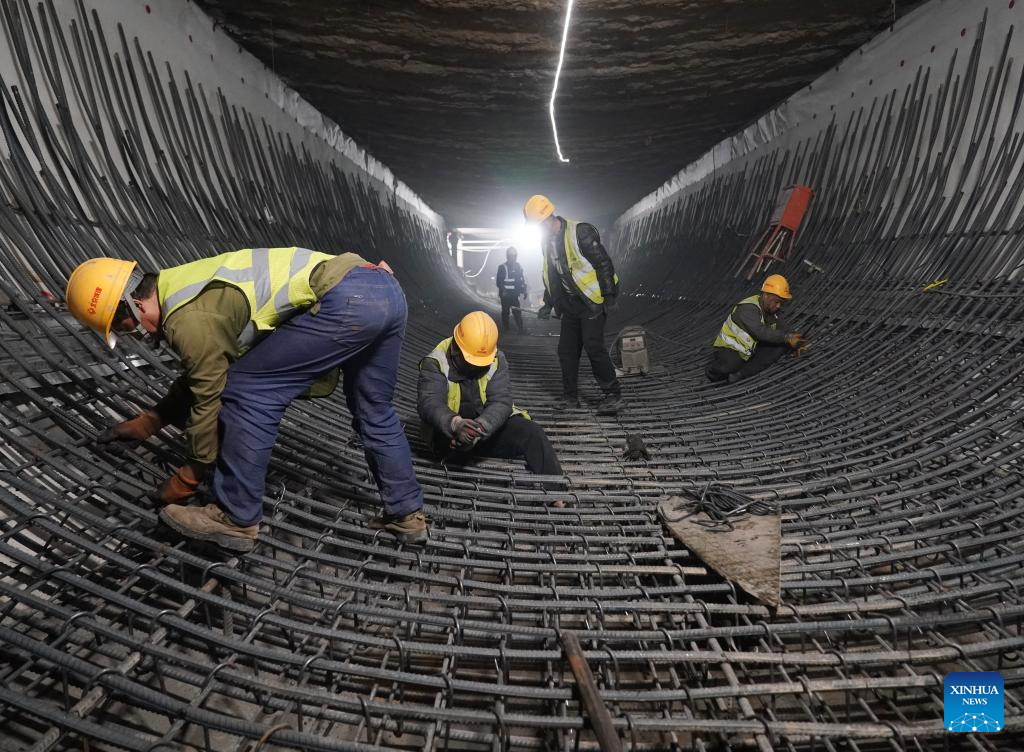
{"points": [[360, 326]]}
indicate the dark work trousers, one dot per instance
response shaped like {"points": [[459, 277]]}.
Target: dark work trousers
{"points": [[725, 361], [510, 303], [519, 437], [360, 326], [581, 332]]}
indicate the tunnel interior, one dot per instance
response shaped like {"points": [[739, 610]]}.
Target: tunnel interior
{"points": [[890, 449]]}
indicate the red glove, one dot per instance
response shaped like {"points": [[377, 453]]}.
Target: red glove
{"points": [[181, 486], [139, 428]]}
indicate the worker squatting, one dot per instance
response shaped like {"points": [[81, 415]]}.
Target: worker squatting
{"points": [[258, 328]]}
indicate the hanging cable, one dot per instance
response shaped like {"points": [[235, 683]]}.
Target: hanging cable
{"points": [[558, 72]]}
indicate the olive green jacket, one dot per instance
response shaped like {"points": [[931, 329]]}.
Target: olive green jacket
{"points": [[204, 333]]}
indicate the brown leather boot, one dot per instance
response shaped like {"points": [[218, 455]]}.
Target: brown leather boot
{"points": [[209, 524], [409, 528]]}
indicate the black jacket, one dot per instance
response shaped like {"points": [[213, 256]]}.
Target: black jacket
{"points": [[561, 286], [516, 275], [432, 397]]}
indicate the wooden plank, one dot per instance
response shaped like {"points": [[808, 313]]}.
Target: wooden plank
{"points": [[749, 556]]}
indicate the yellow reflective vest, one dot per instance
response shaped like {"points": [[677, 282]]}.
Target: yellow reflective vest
{"points": [[440, 356], [275, 282], [735, 337], [584, 276]]}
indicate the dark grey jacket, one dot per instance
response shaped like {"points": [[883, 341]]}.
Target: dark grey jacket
{"points": [[432, 397], [772, 331]]}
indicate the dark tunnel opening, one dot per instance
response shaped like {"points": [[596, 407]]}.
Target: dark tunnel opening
{"points": [[546, 611]]}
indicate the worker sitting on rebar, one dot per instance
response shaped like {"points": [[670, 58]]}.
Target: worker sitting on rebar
{"points": [[298, 316], [754, 335], [465, 400]]}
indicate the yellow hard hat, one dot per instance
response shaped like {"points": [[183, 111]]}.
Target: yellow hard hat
{"points": [[477, 338], [776, 284], [94, 291], [538, 208]]}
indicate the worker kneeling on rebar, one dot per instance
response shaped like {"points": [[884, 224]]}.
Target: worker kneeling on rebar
{"points": [[256, 329], [465, 400], [754, 335]]}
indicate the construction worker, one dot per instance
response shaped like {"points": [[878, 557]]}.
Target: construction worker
{"points": [[580, 284], [465, 400], [454, 238], [254, 330], [754, 335], [511, 286]]}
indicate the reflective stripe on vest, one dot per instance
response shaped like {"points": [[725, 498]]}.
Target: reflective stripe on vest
{"points": [[440, 356], [583, 274], [735, 337], [275, 282], [511, 284]]}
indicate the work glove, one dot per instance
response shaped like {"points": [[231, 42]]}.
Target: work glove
{"points": [[544, 312], [465, 432], [139, 428], [182, 486], [636, 449], [798, 343]]}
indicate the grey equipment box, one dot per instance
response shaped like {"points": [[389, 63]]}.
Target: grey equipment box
{"points": [[633, 350]]}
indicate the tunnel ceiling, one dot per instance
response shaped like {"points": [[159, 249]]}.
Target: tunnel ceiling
{"points": [[452, 94]]}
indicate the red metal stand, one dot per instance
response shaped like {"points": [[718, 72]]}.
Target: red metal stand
{"points": [[776, 243]]}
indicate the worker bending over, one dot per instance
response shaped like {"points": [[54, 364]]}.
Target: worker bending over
{"points": [[754, 335], [511, 286], [580, 283], [254, 330], [465, 400]]}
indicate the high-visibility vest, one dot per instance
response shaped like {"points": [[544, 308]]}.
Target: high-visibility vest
{"points": [[440, 356], [584, 276], [735, 337], [511, 283], [275, 282]]}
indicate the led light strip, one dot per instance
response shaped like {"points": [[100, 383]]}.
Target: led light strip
{"points": [[558, 72]]}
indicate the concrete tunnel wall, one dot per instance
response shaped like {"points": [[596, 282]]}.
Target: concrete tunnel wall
{"points": [[894, 449], [140, 130], [911, 144]]}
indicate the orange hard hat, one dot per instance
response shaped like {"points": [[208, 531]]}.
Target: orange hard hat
{"points": [[96, 288], [477, 338], [538, 208], [776, 284]]}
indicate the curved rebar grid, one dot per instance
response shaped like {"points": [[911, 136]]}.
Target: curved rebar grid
{"points": [[894, 448]]}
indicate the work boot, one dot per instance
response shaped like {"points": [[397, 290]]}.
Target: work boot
{"points": [[209, 524], [567, 402], [407, 528], [610, 404]]}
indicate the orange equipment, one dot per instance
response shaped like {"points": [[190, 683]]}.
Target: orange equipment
{"points": [[776, 243]]}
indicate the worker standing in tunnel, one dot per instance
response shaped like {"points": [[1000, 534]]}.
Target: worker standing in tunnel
{"points": [[754, 335], [580, 284], [465, 400], [511, 283], [254, 330]]}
